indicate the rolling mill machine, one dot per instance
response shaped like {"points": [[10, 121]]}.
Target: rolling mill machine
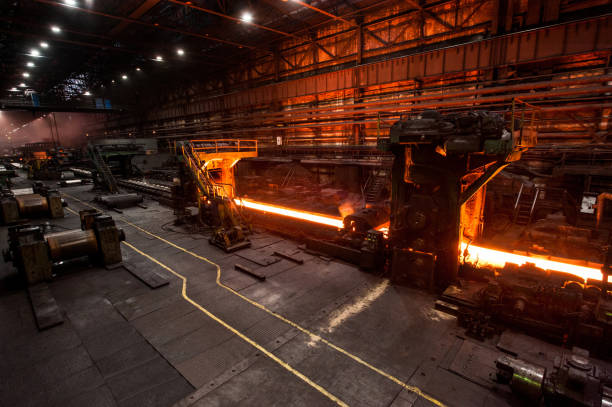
{"points": [[211, 166], [442, 163], [441, 167], [430, 236], [42, 202], [34, 249]]}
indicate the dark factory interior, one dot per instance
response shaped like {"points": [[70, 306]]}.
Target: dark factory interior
{"points": [[305, 203]]}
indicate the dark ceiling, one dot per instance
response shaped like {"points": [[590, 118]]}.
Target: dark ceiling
{"points": [[102, 40]]}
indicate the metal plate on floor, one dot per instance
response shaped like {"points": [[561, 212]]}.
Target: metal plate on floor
{"points": [[475, 363], [257, 257], [45, 307], [147, 276]]}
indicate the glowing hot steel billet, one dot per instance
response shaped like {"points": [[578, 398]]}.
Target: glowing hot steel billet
{"points": [[497, 258], [475, 254], [291, 213]]}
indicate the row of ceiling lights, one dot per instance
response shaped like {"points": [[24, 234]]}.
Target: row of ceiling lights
{"points": [[35, 53], [158, 58], [246, 17]]}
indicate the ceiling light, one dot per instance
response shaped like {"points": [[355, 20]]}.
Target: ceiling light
{"points": [[87, 93], [56, 29], [70, 3], [22, 85], [113, 81], [159, 58], [13, 89], [34, 52], [180, 52], [123, 77], [30, 64], [26, 75], [44, 45], [138, 69], [247, 17]]}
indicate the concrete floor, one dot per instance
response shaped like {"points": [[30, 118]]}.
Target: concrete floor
{"points": [[321, 333]]}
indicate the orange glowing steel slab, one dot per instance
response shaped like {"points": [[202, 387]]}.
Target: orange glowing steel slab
{"points": [[291, 213], [498, 258]]}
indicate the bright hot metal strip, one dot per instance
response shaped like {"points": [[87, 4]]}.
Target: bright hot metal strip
{"points": [[497, 258], [291, 213], [412, 389]]}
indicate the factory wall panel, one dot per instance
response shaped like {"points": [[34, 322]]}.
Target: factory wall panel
{"points": [[567, 39], [404, 73]]}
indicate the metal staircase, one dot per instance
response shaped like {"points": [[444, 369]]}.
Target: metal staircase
{"points": [[217, 200], [103, 169], [374, 186], [525, 204], [200, 176]]}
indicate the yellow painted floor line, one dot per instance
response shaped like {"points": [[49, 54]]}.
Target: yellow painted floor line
{"points": [[313, 335], [236, 332], [71, 211]]}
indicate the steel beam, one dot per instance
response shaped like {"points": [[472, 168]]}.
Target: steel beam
{"points": [[231, 18], [325, 13], [150, 25], [139, 12], [564, 40]]}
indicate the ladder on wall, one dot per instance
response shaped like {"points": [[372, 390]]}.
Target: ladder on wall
{"points": [[103, 169], [525, 204], [287, 178]]}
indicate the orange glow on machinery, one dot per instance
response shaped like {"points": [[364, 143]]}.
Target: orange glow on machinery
{"points": [[497, 258], [475, 254], [334, 221], [384, 228]]}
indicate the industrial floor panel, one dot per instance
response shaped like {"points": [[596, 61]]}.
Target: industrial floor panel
{"points": [[318, 333]]}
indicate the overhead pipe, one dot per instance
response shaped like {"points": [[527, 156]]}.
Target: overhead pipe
{"points": [[468, 102], [462, 102], [363, 107], [534, 85]]}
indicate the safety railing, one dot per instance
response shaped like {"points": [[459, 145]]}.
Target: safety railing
{"points": [[223, 146], [524, 117], [208, 186], [195, 166]]}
